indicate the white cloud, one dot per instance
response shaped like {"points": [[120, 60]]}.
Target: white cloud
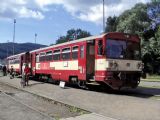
{"points": [[10, 9], [27, 13], [91, 10], [85, 10]]}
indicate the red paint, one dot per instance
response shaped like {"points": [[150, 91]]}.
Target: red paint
{"points": [[100, 76]]}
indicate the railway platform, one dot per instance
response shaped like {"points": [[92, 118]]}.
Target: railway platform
{"points": [[103, 106]]}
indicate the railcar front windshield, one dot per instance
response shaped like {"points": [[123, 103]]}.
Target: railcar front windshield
{"points": [[122, 49]]}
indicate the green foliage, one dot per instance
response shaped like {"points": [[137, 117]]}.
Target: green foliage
{"points": [[61, 39], [111, 24], [73, 34], [135, 21], [155, 1]]}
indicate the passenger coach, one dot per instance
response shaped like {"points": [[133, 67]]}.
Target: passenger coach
{"points": [[112, 59]]}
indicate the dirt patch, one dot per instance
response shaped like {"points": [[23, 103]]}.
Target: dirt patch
{"points": [[44, 105]]}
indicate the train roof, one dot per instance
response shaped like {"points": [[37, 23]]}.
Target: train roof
{"points": [[16, 55], [70, 42], [66, 43]]}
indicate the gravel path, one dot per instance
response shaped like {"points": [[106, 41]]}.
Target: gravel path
{"points": [[25, 103]]}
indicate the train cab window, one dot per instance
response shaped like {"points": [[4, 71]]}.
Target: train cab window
{"points": [[75, 52], [11, 61], [82, 51], [100, 47], [37, 57], [56, 54], [16, 61], [49, 56], [66, 53], [42, 57]]}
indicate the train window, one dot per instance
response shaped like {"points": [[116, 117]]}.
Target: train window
{"points": [[37, 57], [82, 51], [11, 61], [16, 61], [75, 52], [66, 53], [42, 57], [49, 56], [56, 54]]}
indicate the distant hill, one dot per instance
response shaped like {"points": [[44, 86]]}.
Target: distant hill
{"points": [[19, 48]]}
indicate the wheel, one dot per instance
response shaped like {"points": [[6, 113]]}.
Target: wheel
{"points": [[82, 84]]}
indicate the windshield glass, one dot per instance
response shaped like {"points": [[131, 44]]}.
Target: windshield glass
{"points": [[120, 49]]}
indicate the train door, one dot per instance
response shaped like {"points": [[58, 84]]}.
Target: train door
{"points": [[21, 63], [82, 62], [100, 59], [33, 63], [90, 59], [25, 59]]}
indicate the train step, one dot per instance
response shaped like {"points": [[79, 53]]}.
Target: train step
{"points": [[92, 80], [93, 83]]}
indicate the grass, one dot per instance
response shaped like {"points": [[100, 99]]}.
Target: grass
{"points": [[152, 78], [144, 86], [72, 109], [77, 110], [56, 117], [155, 97]]}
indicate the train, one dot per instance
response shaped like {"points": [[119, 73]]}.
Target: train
{"points": [[111, 59]]}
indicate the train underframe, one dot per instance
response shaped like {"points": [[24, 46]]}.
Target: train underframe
{"points": [[122, 79], [114, 80]]}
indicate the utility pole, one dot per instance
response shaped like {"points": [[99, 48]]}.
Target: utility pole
{"points": [[103, 17], [7, 47], [35, 39], [14, 35]]}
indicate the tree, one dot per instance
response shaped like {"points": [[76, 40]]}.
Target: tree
{"points": [[111, 24], [73, 34], [138, 21], [151, 45], [134, 21], [61, 39], [155, 1]]}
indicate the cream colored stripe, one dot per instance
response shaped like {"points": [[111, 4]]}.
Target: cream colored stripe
{"points": [[103, 64], [61, 65], [64, 65], [15, 66]]}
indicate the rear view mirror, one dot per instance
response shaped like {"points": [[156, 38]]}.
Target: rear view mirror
{"points": [[100, 47]]}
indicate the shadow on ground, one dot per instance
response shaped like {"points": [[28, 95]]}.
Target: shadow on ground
{"points": [[141, 92]]}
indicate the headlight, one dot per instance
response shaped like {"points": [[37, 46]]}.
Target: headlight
{"points": [[140, 65], [113, 64], [110, 64]]}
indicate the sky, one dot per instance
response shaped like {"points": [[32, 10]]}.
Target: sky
{"points": [[50, 19]]}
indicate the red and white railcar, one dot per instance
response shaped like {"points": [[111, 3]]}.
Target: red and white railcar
{"points": [[18, 62], [14, 61], [113, 59]]}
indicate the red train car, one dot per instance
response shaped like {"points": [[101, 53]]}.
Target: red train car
{"points": [[14, 61], [18, 62], [113, 59]]}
